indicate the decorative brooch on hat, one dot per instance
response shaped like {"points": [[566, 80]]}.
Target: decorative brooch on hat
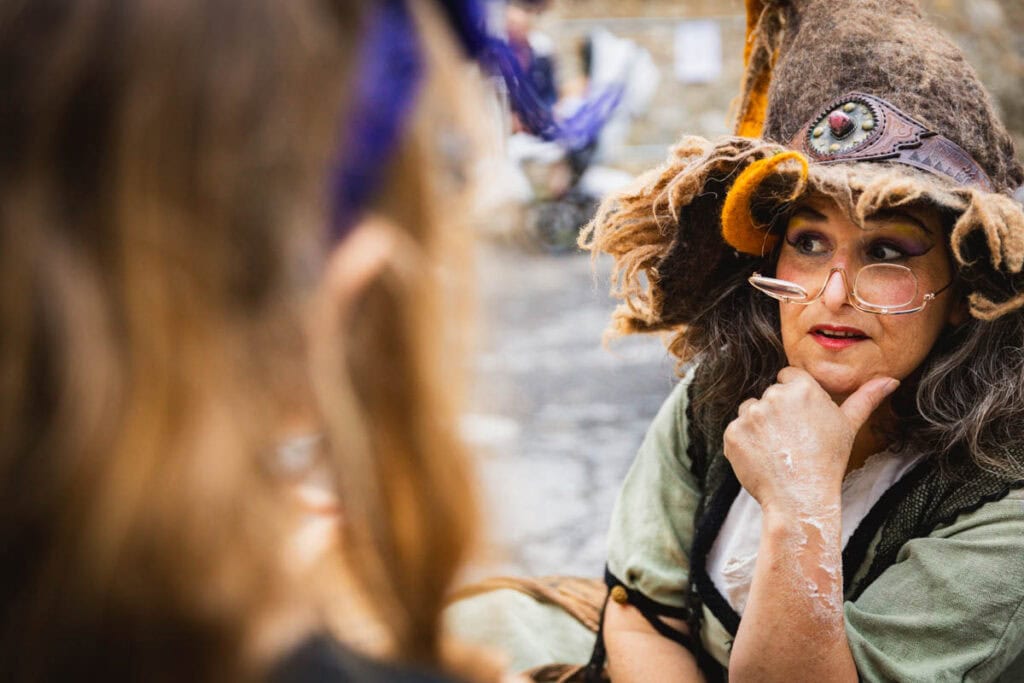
{"points": [[860, 127]]}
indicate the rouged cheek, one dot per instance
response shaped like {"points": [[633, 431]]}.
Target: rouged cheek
{"points": [[796, 271], [933, 277], [782, 270]]}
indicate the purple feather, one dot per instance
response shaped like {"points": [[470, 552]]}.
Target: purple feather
{"points": [[388, 79], [575, 132]]}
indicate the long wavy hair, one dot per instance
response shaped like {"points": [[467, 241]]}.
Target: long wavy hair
{"points": [[162, 223]]}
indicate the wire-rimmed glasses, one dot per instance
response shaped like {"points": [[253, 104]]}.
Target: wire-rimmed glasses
{"points": [[879, 288]]}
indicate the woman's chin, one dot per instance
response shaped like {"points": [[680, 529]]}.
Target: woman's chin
{"points": [[838, 382]]}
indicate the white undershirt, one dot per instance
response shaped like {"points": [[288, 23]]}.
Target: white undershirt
{"points": [[734, 552]]}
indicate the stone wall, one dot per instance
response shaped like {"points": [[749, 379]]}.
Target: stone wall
{"points": [[991, 32]]}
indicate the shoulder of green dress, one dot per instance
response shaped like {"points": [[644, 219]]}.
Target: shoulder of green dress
{"points": [[1007, 512], [679, 399]]}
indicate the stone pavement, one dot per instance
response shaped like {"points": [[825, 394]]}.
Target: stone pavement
{"points": [[556, 418]]}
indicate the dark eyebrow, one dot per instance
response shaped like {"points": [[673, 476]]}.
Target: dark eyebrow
{"points": [[810, 213], [896, 214]]}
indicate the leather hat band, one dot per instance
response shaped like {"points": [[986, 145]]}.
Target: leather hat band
{"points": [[859, 127]]}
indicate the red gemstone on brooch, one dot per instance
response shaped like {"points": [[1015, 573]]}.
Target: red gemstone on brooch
{"points": [[840, 123]]}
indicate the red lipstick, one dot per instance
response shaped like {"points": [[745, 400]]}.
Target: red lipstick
{"points": [[837, 336]]}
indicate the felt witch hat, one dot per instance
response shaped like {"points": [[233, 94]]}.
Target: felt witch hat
{"points": [[865, 102]]}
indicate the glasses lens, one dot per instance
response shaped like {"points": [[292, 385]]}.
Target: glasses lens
{"points": [[886, 285], [780, 289]]}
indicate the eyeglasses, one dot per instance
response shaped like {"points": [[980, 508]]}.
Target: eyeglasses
{"points": [[879, 288]]}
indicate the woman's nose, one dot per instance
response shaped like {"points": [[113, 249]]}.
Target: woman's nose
{"points": [[836, 294]]}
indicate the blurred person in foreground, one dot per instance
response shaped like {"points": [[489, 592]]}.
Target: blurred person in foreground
{"points": [[225, 233], [835, 489]]}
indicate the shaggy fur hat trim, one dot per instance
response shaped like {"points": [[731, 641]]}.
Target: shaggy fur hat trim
{"points": [[668, 232]]}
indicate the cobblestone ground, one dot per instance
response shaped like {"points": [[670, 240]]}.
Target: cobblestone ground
{"points": [[556, 418]]}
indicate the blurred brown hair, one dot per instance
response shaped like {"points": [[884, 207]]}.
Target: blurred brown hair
{"points": [[411, 516], [162, 218]]}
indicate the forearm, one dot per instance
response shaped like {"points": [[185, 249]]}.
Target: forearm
{"points": [[792, 627], [639, 654]]}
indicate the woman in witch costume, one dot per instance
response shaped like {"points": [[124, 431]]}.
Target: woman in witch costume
{"points": [[833, 491]]}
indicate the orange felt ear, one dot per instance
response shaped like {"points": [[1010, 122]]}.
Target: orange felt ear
{"points": [[757, 76], [738, 227]]}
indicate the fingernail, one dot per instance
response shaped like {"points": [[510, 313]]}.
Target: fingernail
{"points": [[891, 385]]}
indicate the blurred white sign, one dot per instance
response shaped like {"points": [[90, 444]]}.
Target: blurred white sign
{"points": [[698, 50]]}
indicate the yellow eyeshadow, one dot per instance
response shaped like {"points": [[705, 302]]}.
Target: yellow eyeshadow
{"points": [[797, 221]]}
